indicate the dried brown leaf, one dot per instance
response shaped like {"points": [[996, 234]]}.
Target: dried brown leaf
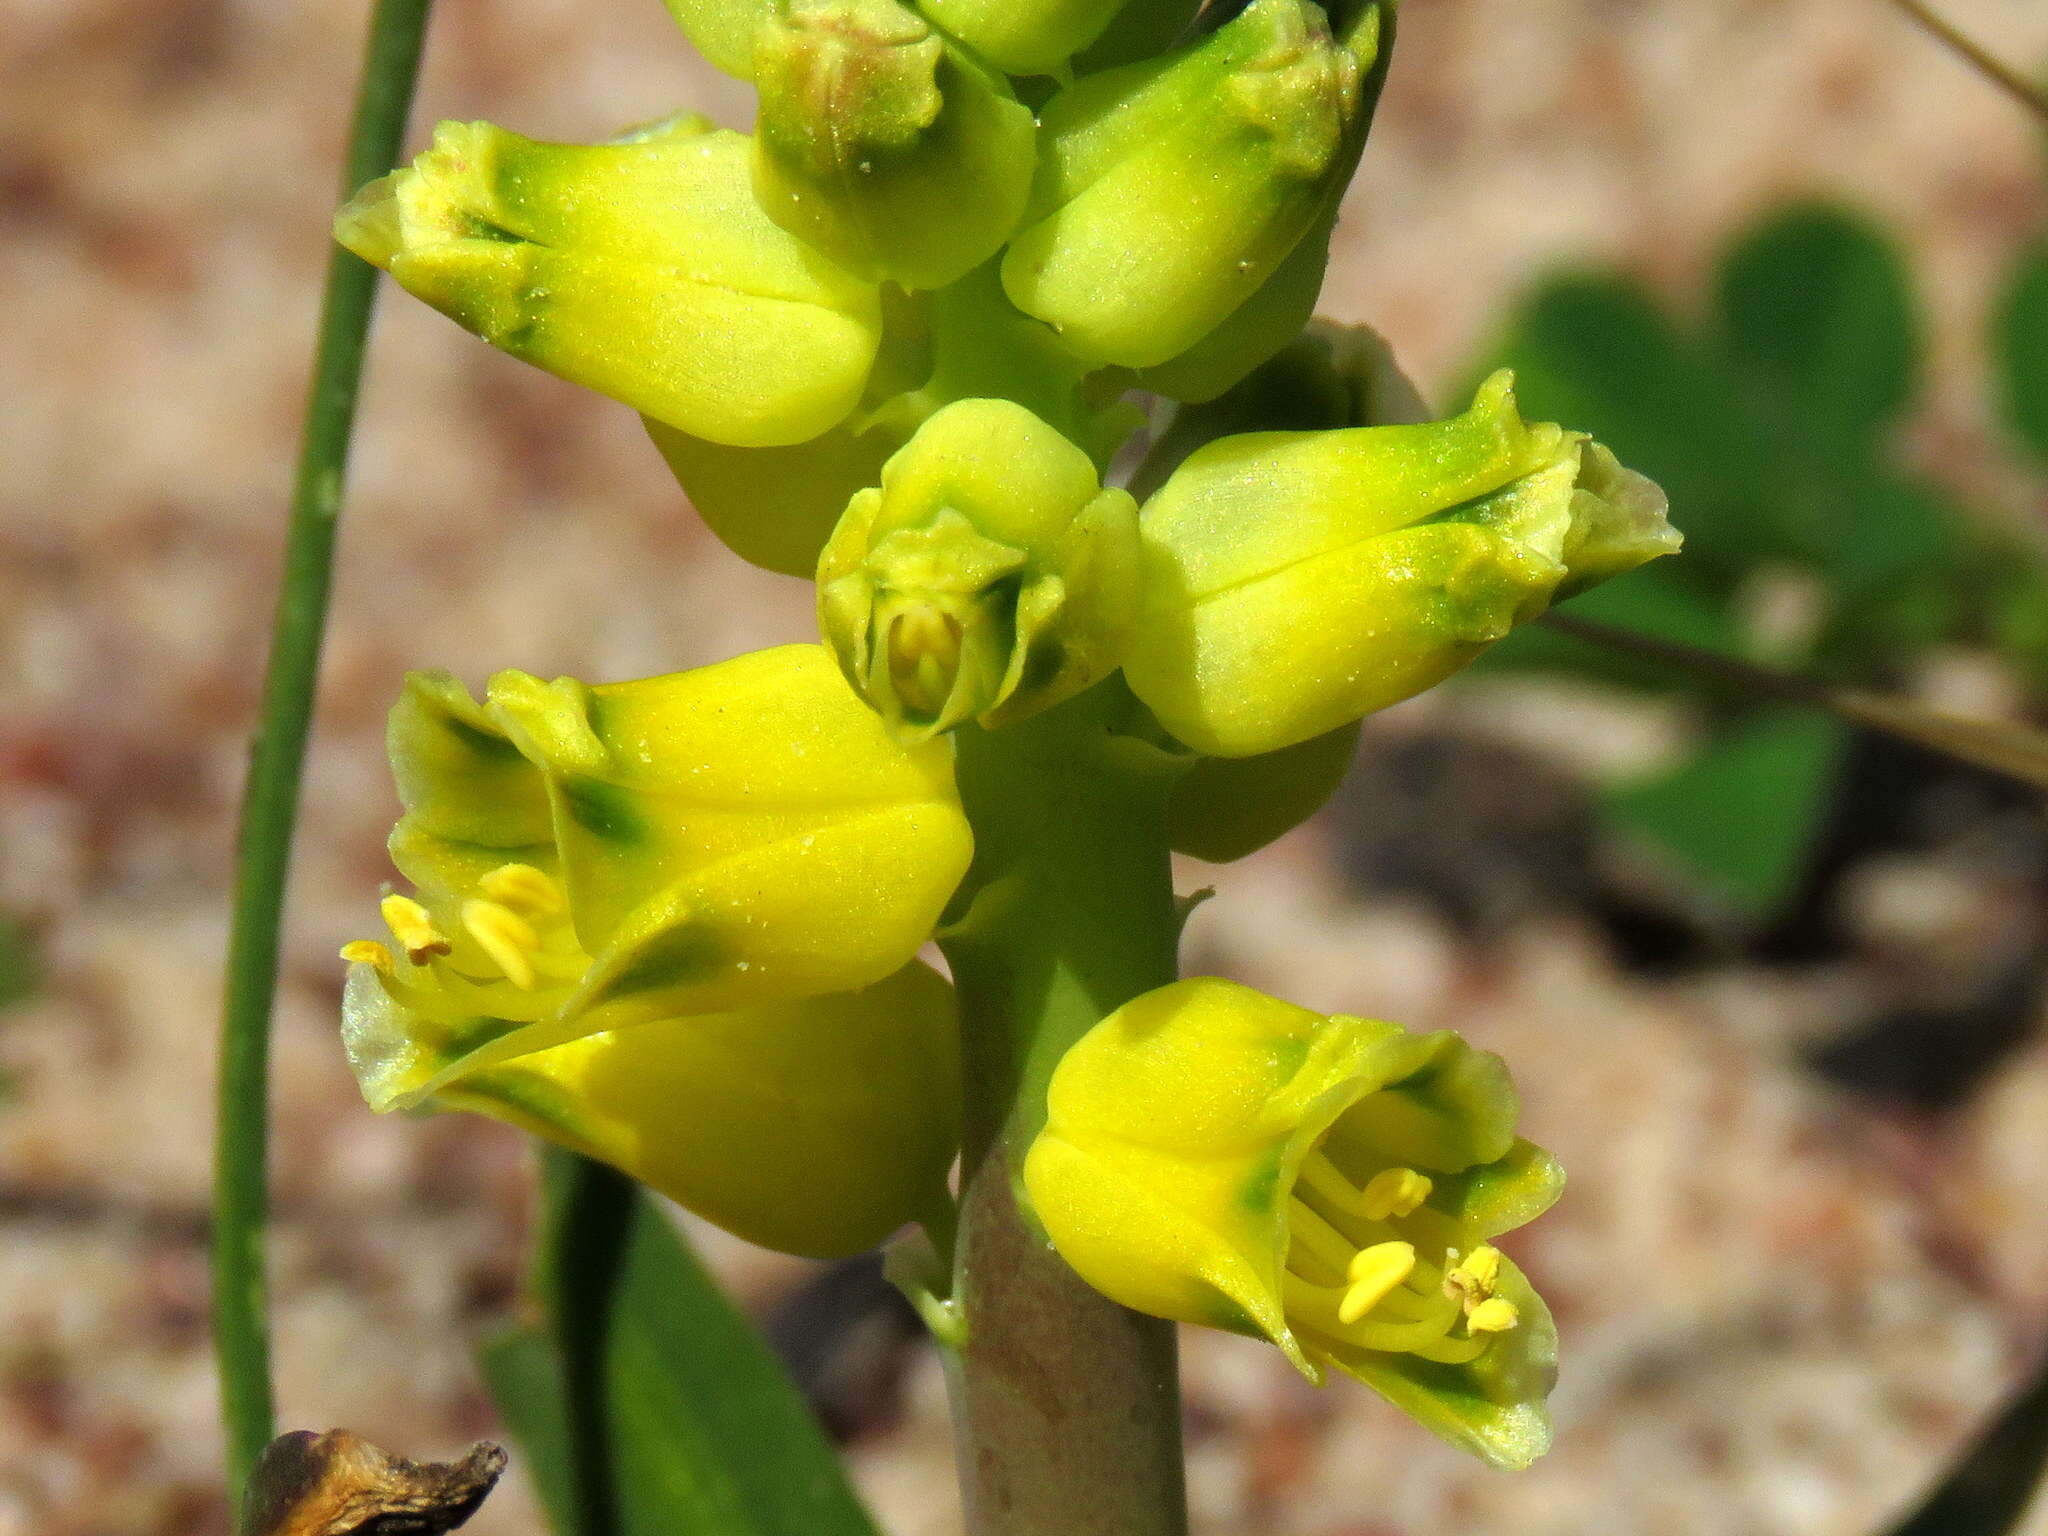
{"points": [[338, 1484]]}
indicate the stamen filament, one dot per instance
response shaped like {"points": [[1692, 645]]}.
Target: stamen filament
{"points": [[1325, 1243], [1325, 1179]]}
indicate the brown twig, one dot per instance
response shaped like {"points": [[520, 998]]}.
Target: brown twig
{"points": [[2003, 75], [2005, 747]]}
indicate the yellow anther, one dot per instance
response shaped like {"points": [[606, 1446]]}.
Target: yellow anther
{"points": [[506, 937], [1471, 1279], [1496, 1314], [368, 952], [1393, 1192], [1374, 1272], [413, 928], [526, 890]]}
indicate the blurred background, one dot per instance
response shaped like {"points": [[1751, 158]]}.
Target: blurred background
{"points": [[1772, 987]]}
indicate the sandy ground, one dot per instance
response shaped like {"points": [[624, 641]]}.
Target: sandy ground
{"points": [[1782, 1309]]}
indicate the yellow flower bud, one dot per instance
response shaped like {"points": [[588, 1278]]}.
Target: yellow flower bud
{"points": [[1223, 808], [814, 1127], [1295, 581], [775, 507], [890, 151], [1169, 191], [1037, 37], [723, 30], [592, 858], [989, 577], [642, 269], [1334, 1184]]}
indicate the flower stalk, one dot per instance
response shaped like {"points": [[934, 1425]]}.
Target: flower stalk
{"points": [[1067, 1405], [271, 797]]}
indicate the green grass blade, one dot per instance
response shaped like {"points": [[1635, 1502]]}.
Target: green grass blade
{"points": [[271, 797]]}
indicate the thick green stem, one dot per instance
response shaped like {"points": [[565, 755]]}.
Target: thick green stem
{"points": [[1067, 1405], [270, 800]]}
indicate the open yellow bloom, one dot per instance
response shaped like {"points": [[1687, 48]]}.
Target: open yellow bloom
{"points": [[597, 858], [1217, 1156], [814, 1127]]}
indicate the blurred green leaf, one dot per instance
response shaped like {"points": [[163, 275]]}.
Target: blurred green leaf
{"points": [[1990, 1489], [1818, 329], [1742, 814], [524, 1376], [705, 1435], [18, 970], [1596, 353], [2020, 344]]}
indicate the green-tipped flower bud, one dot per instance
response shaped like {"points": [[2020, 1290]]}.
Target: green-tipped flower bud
{"points": [[1169, 192], [1037, 37], [644, 270], [723, 30], [885, 148], [989, 577], [1298, 580]]}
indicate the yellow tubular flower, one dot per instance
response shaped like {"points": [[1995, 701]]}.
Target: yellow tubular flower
{"points": [[643, 269], [1296, 581], [814, 1127], [1217, 1156], [593, 858]]}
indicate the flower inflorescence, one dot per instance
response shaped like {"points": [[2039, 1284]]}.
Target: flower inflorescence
{"points": [[900, 339]]}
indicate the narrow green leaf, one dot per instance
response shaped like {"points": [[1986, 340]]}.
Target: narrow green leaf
{"points": [[524, 1376], [2020, 342], [705, 1435], [1742, 815], [1990, 1489], [1817, 325]]}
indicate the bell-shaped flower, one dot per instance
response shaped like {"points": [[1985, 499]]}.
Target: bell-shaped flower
{"points": [[990, 576], [1295, 581], [1334, 1184], [1170, 191], [882, 145], [643, 269], [814, 1127], [594, 858]]}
